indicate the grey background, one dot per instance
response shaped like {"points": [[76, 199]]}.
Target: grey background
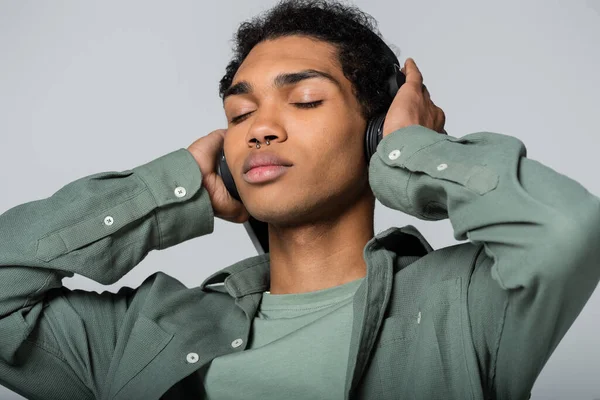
{"points": [[87, 87]]}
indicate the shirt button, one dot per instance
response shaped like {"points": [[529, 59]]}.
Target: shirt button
{"points": [[237, 343], [192, 358], [108, 221], [394, 155], [180, 191], [442, 167]]}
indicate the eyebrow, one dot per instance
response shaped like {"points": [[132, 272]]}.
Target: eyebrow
{"points": [[281, 80]]}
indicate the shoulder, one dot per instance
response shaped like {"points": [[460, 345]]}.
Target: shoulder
{"points": [[449, 262]]}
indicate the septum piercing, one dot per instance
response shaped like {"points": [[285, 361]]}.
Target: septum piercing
{"points": [[258, 143]]}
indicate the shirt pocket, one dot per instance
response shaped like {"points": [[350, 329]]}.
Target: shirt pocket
{"points": [[388, 375], [438, 365], [396, 329], [419, 351], [434, 303]]}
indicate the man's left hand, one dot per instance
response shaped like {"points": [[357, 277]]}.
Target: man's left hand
{"points": [[412, 104]]}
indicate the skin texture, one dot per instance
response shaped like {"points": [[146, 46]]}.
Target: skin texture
{"points": [[320, 212]]}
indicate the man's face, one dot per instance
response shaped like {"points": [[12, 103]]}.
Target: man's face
{"points": [[322, 142]]}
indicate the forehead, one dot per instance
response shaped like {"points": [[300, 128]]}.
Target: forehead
{"points": [[288, 53]]}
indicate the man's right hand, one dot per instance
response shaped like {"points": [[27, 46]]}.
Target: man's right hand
{"points": [[206, 152]]}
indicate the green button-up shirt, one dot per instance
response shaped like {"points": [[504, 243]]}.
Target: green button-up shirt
{"points": [[475, 320]]}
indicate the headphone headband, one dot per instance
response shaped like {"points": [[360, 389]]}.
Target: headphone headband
{"points": [[396, 77]]}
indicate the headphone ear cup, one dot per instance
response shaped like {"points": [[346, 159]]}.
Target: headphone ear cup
{"points": [[374, 132], [227, 177], [257, 230], [396, 81], [373, 135]]}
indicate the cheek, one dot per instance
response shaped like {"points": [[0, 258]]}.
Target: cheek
{"points": [[346, 141], [337, 153], [337, 127]]}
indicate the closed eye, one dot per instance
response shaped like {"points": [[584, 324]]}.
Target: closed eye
{"points": [[312, 104], [240, 118]]}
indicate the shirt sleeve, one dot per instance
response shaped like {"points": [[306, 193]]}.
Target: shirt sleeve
{"points": [[100, 226], [539, 230]]}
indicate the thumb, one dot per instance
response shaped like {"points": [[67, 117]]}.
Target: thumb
{"points": [[412, 72], [215, 141], [207, 152]]}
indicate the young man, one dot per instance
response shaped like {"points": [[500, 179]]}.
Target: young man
{"points": [[333, 312]]}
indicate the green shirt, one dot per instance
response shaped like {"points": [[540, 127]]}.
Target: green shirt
{"points": [[296, 339], [471, 321]]}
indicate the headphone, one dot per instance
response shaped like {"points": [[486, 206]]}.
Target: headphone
{"points": [[258, 230]]}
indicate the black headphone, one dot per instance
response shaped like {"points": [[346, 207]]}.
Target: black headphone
{"points": [[374, 133]]}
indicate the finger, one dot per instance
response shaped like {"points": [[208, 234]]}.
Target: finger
{"points": [[221, 132], [426, 92], [217, 138], [207, 150], [219, 135], [412, 72], [442, 120]]}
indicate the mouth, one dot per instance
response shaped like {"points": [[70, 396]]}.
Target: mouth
{"points": [[264, 167], [265, 173]]}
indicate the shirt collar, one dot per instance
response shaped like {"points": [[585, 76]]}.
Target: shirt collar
{"points": [[251, 275]]}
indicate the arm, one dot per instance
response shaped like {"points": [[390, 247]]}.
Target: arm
{"points": [[99, 226], [539, 230]]}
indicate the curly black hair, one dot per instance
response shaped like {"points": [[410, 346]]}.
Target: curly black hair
{"points": [[361, 51]]}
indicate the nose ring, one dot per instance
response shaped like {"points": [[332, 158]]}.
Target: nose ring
{"points": [[258, 143]]}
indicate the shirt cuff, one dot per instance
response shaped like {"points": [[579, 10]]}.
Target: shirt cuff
{"points": [[414, 167], [184, 207]]}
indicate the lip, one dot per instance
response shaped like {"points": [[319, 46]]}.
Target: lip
{"points": [[264, 167], [265, 173]]}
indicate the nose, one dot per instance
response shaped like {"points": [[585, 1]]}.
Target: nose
{"points": [[265, 129]]}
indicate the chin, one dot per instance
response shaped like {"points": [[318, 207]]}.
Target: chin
{"points": [[281, 211], [295, 205], [277, 216], [295, 213]]}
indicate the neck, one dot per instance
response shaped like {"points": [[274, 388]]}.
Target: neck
{"points": [[321, 255]]}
